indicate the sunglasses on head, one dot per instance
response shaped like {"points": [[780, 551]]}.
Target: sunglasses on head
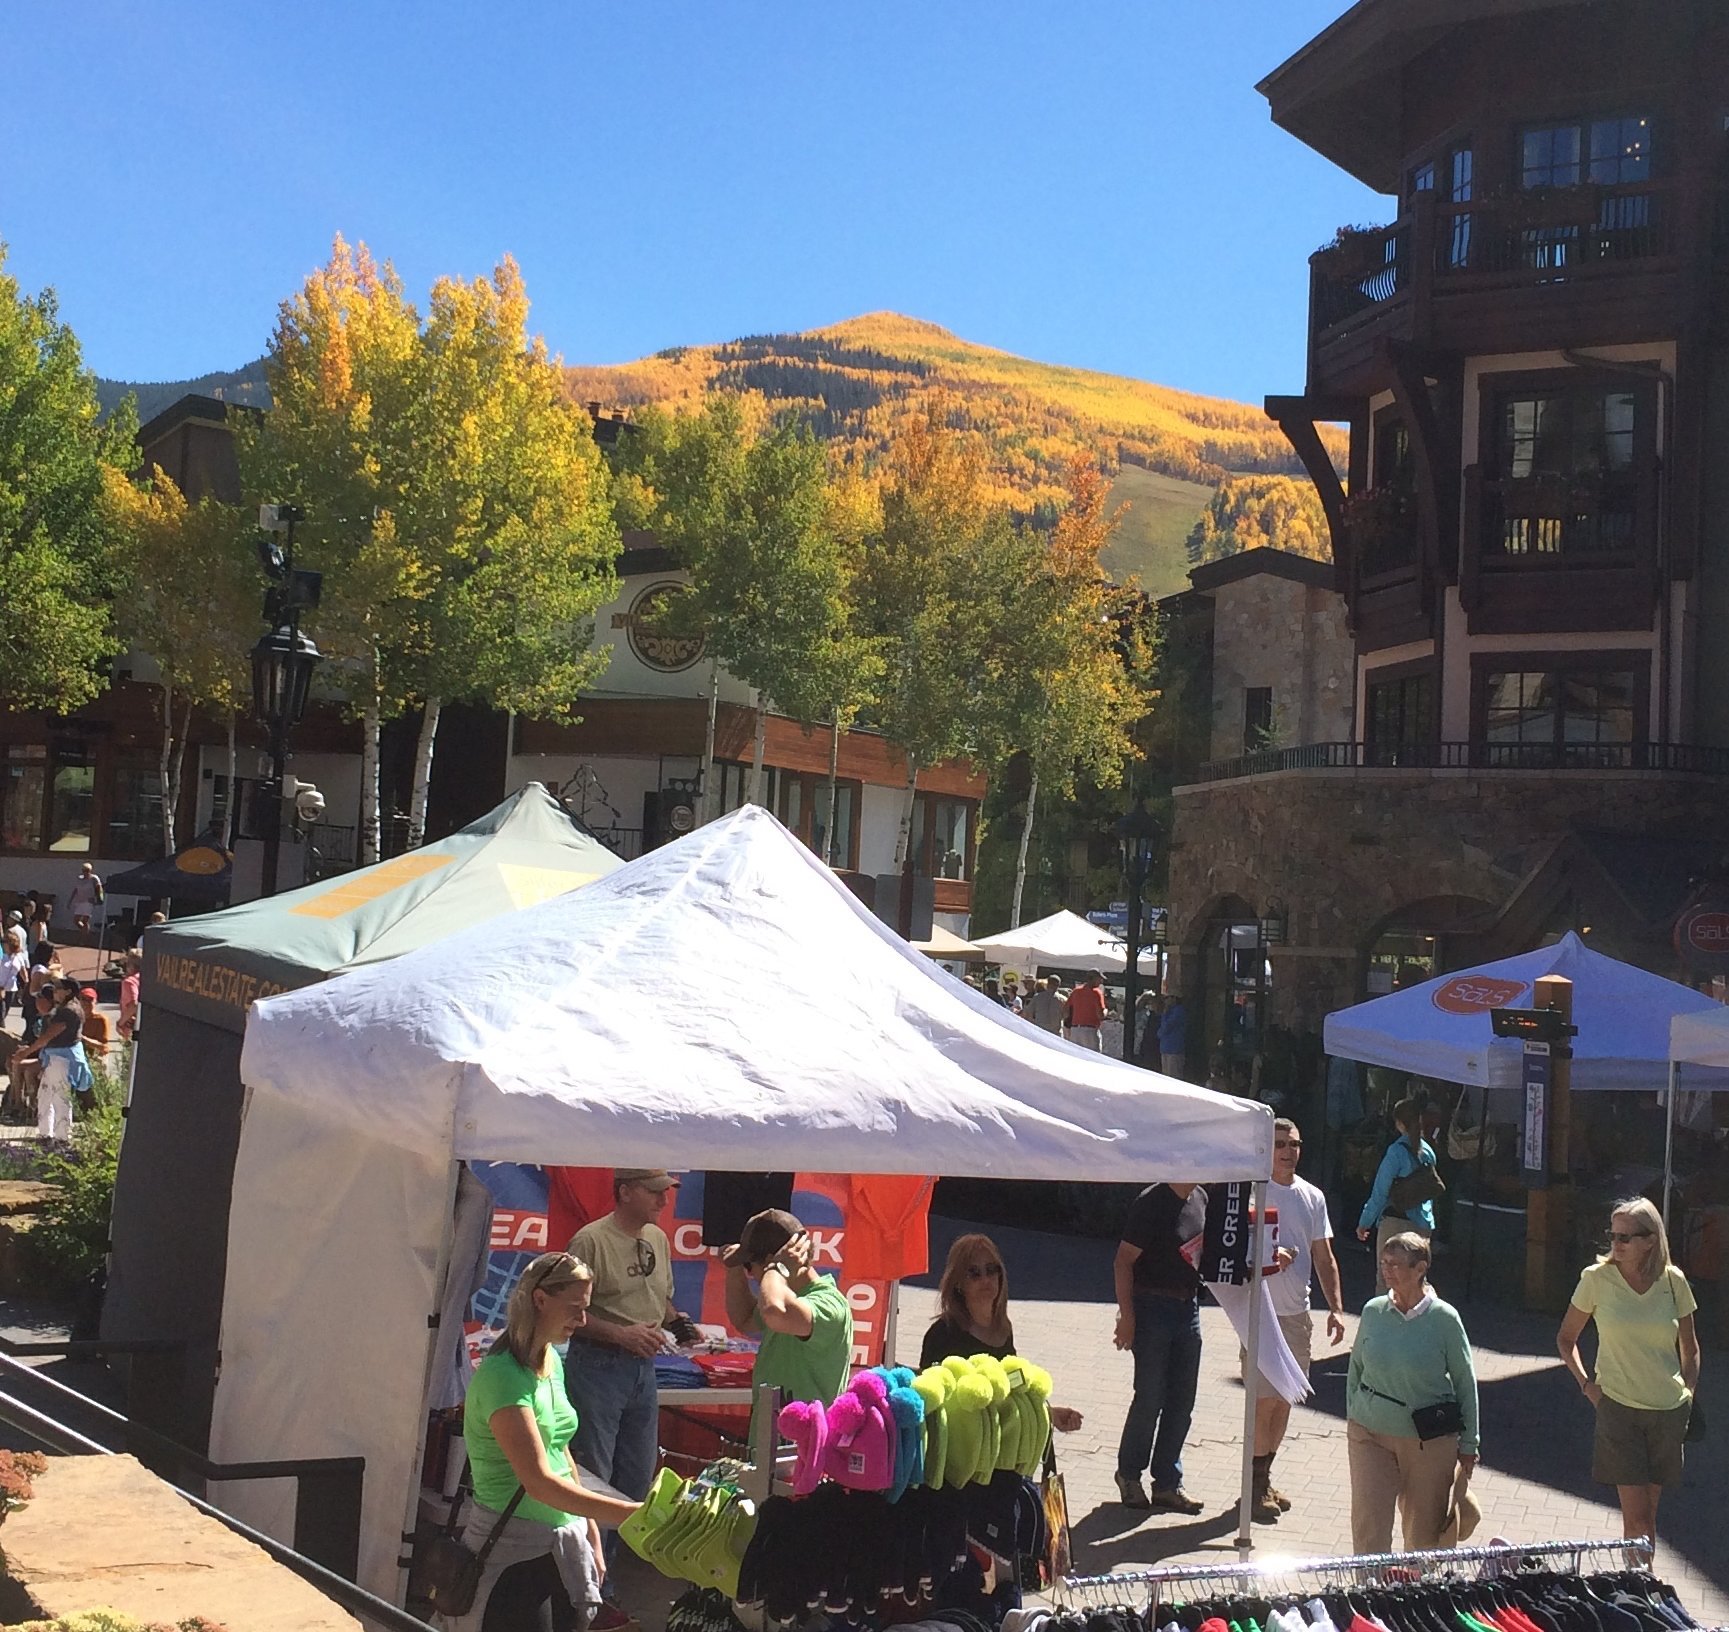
{"points": [[645, 1259], [1624, 1236], [983, 1272]]}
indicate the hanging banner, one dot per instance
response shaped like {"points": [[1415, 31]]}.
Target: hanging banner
{"points": [[1536, 1140]]}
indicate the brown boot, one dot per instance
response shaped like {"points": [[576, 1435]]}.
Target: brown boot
{"points": [[1274, 1494], [1262, 1508]]}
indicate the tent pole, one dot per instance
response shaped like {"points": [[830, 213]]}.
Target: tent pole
{"points": [[1251, 1371], [1669, 1138], [1477, 1189], [441, 1273]]}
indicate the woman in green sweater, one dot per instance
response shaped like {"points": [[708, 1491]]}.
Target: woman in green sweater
{"points": [[1411, 1353]]}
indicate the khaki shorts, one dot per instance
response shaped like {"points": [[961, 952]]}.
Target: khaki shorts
{"points": [[1299, 1333], [1634, 1447]]}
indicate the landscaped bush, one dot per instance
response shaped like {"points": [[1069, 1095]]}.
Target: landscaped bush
{"points": [[71, 1233]]}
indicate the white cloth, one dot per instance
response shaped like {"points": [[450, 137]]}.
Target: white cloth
{"points": [[1417, 1310], [1303, 1221], [54, 1096], [522, 1540], [1277, 1364]]}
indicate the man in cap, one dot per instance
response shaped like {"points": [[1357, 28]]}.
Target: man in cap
{"points": [[803, 1317], [609, 1371]]}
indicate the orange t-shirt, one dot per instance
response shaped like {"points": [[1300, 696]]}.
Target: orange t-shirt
{"points": [[1087, 1006]]}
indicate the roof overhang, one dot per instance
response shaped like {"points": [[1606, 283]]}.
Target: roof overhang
{"points": [[1341, 94]]}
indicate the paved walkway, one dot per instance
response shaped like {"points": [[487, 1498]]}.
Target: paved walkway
{"points": [[1533, 1481]]}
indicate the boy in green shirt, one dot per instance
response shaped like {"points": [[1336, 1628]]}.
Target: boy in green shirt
{"points": [[804, 1318]]}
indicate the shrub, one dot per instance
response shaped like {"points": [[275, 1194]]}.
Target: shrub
{"points": [[71, 1234]]}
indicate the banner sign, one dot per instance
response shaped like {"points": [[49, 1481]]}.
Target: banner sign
{"points": [[1536, 1140], [1225, 1243], [519, 1234]]}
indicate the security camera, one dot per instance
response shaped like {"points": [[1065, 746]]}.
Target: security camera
{"points": [[308, 803]]}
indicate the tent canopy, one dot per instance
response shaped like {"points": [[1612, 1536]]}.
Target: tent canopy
{"points": [[1442, 1028], [675, 1014], [1701, 1038], [525, 851], [200, 871], [1064, 940], [944, 943]]}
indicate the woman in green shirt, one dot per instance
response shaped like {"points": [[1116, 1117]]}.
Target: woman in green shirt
{"points": [[1647, 1362], [1411, 1352], [544, 1571]]}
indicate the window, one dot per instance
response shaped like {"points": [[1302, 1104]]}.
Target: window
{"points": [[1573, 715], [135, 813], [1619, 151], [1462, 172], [1257, 718], [800, 800], [1423, 178], [1567, 468], [1613, 152], [23, 794], [942, 836], [1549, 156], [1400, 719]]}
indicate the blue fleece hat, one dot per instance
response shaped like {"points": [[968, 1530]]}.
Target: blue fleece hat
{"points": [[908, 1407]]}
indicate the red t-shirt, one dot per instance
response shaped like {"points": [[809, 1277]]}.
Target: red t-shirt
{"points": [[1086, 1006]]}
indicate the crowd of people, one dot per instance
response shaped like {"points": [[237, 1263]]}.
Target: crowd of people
{"points": [[1089, 1017]]}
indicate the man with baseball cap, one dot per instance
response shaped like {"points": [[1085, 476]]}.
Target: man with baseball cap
{"points": [[609, 1371]]}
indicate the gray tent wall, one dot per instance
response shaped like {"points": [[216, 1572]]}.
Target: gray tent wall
{"points": [[168, 1251]]}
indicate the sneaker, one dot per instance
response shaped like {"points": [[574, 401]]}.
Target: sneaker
{"points": [[1280, 1497], [610, 1618], [1174, 1501], [1131, 1493]]}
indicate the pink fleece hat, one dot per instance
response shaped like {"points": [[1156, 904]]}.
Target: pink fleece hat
{"points": [[861, 1436], [806, 1424]]}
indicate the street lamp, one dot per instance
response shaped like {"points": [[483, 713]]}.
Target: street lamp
{"points": [[282, 664], [1135, 834]]}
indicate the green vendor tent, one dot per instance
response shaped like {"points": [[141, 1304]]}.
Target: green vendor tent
{"points": [[172, 1196]]}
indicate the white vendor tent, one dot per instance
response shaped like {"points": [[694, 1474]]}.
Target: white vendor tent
{"points": [[1701, 1038], [1442, 1029], [724, 1002], [1064, 940]]}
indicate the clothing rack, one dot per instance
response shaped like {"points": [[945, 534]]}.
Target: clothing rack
{"points": [[1359, 1564]]}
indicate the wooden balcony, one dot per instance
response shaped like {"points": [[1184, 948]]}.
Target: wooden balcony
{"points": [[1548, 269]]}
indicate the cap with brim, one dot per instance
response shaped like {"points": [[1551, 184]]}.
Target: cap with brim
{"points": [[650, 1178], [765, 1233], [89, 992], [1464, 1517]]}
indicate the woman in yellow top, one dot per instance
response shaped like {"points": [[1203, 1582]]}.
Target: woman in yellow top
{"points": [[1647, 1362]]}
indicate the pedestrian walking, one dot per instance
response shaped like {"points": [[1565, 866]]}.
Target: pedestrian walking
{"points": [[545, 1568], [609, 1369], [1085, 1012], [1152, 1008], [86, 895], [1410, 1407], [65, 1069], [1647, 1362], [1159, 1323], [14, 966], [1047, 1005], [1402, 1199], [129, 984], [1174, 1039], [1307, 1233]]}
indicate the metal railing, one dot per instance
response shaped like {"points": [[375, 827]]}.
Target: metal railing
{"points": [[1669, 758]]}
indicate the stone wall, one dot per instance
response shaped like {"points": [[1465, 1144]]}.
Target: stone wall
{"points": [[1270, 630], [1346, 850]]}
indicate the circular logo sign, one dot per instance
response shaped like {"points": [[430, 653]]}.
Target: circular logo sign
{"points": [[681, 818], [1703, 932], [658, 650], [203, 860], [1475, 994]]}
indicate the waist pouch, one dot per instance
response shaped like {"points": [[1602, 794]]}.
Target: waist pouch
{"points": [[1431, 1421]]}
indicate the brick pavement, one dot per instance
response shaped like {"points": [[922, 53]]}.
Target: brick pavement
{"points": [[1533, 1481]]}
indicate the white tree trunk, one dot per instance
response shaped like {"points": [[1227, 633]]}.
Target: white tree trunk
{"points": [[164, 759], [758, 748], [833, 793], [171, 781], [1021, 858], [228, 811], [903, 838], [710, 786], [369, 731], [423, 771]]}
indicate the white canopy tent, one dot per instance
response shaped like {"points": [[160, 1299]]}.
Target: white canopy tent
{"points": [[1064, 940], [588, 1031]]}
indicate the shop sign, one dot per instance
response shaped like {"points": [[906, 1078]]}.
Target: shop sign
{"points": [[1702, 938], [1476, 994], [654, 647], [1538, 1062]]}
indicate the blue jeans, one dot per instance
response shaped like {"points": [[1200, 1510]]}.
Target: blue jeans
{"points": [[617, 1421], [1167, 1351]]}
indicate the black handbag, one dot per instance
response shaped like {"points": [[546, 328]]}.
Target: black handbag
{"points": [[446, 1575], [1439, 1420]]}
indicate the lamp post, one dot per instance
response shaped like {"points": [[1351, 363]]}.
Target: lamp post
{"points": [[1135, 834], [282, 664]]}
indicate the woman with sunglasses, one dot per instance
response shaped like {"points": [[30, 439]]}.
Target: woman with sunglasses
{"points": [[1647, 1362], [973, 1314], [544, 1570]]}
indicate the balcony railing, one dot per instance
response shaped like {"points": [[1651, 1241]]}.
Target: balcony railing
{"points": [[1670, 758]]}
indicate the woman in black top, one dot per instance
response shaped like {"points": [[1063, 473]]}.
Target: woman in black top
{"points": [[973, 1298]]}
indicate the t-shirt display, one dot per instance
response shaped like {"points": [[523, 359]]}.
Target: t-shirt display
{"points": [[500, 1380], [1161, 1223], [1302, 1220], [632, 1273], [1638, 1363]]}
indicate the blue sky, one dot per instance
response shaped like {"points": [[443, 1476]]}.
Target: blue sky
{"points": [[1092, 183]]}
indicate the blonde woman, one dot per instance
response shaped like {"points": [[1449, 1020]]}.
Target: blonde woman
{"points": [[973, 1314], [1647, 1362], [545, 1568]]}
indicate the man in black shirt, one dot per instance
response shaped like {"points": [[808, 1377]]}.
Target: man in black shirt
{"points": [[1159, 1322]]}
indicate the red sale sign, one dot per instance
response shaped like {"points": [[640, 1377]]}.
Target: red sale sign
{"points": [[1476, 994]]}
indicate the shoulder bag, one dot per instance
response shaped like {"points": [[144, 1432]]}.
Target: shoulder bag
{"points": [[446, 1575], [1058, 1559], [1406, 1195]]}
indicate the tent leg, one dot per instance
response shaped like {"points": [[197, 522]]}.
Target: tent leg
{"points": [[1251, 1372], [1669, 1138], [441, 1274], [891, 1320], [1477, 1191]]}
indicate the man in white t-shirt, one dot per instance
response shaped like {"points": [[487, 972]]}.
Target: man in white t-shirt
{"points": [[1305, 1228]]}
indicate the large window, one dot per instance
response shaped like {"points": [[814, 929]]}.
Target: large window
{"points": [[135, 813], [23, 794], [76, 798], [1613, 153], [1578, 713], [801, 800], [942, 836], [1567, 467], [1399, 724]]}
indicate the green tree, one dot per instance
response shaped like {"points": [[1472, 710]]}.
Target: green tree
{"points": [[59, 628], [1252, 512]]}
